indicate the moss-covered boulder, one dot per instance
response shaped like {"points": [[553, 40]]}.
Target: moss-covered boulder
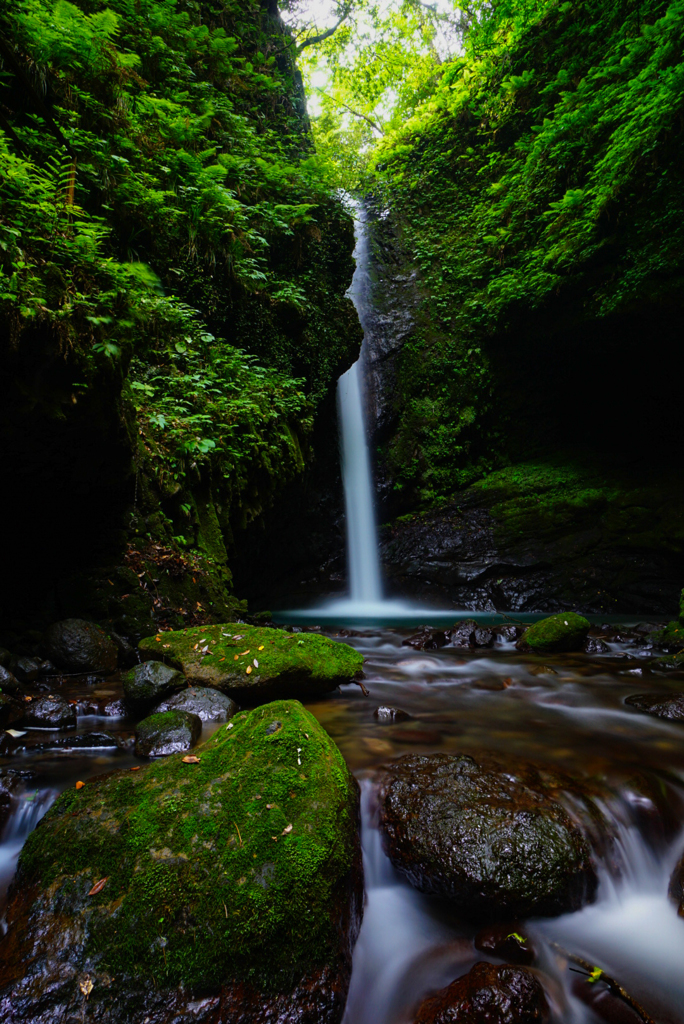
{"points": [[167, 732], [146, 684], [564, 632], [227, 889], [253, 664]]}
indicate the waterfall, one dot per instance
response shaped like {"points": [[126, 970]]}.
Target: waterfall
{"points": [[365, 585]]}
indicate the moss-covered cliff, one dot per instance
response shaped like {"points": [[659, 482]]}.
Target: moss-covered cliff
{"points": [[173, 269]]}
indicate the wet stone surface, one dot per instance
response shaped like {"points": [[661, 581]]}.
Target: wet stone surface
{"points": [[167, 732], [208, 704], [49, 712], [487, 995]]}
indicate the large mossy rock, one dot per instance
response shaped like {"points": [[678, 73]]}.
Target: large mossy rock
{"points": [[75, 645], [233, 887], [495, 840], [253, 664], [564, 632]]}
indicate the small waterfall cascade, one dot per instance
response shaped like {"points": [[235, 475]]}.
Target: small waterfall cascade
{"points": [[365, 584]]}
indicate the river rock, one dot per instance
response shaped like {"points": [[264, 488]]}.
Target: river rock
{"points": [[494, 840], [207, 703], [387, 715], [50, 712], [463, 634], [225, 890], [426, 639], [75, 645], [25, 669], [11, 710], [487, 995], [167, 733], [9, 683], [663, 705], [594, 645], [506, 942], [149, 682], [253, 664], [565, 632]]}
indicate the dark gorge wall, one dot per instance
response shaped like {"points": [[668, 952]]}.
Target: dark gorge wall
{"points": [[531, 462], [172, 317]]}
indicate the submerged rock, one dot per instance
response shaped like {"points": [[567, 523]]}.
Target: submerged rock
{"points": [[49, 712], [229, 889], [253, 664], [167, 732], [75, 645], [387, 715], [494, 840], [487, 995], [148, 683], [564, 632], [207, 703], [662, 705], [426, 639], [506, 942], [594, 645]]}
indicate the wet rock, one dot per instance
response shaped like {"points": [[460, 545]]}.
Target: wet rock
{"points": [[9, 684], [662, 705], [594, 645], [75, 645], [77, 741], [493, 839], [47, 669], [11, 779], [541, 670], [5, 657], [507, 942], [483, 638], [387, 715], [426, 639], [114, 709], [564, 632], [150, 682], [11, 710], [463, 634], [487, 995], [25, 669], [508, 634], [670, 661], [50, 712], [253, 664], [676, 888], [167, 733], [208, 704], [229, 890]]}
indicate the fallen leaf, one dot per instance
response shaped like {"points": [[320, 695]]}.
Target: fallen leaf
{"points": [[249, 669], [80, 785], [195, 647], [28, 698], [166, 645], [15, 733], [158, 639], [242, 653], [99, 886], [256, 663], [261, 648], [191, 759], [239, 636], [286, 830], [86, 986], [235, 658], [222, 659], [135, 768], [269, 807]]}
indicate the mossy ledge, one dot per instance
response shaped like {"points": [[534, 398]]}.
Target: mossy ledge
{"points": [[256, 663], [237, 875]]}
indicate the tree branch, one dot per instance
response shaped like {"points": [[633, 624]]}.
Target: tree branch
{"points": [[351, 110], [314, 40]]}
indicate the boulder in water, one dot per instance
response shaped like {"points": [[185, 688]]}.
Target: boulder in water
{"points": [[495, 840], [75, 645], [148, 683], [167, 732], [662, 705], [225, 889], [564, 632], [254, 664], [204, 701], [50, 712], [487, 995]]}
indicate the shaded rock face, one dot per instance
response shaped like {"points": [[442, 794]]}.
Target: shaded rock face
{"points": [[662, 705], [168, 732], [495, 841], [208, 704], [254, 664], [49, 712], [75, 645], [11, 710], [564, 632], [233, 892], [148, 683], [487, 995]]}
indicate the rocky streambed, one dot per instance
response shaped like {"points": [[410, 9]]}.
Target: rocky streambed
{"points": [[522, 806]]}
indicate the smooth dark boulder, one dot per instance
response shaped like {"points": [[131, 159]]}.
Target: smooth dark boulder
{"points": [[168, 732], [493, 839], [75, 645], [254, 664], [50, 712], [662, 705], [11, 710], [204, 701], [564, 632], [487, 995], [26, 670], [9, 683], [150, 682], [229, 888]]}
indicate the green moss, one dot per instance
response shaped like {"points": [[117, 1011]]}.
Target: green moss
{"points": [[218, 871], [564, 632], [286, 663]]}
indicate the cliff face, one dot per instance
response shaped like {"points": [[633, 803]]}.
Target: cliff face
{"points": [[538, 197], [172, 310]]}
